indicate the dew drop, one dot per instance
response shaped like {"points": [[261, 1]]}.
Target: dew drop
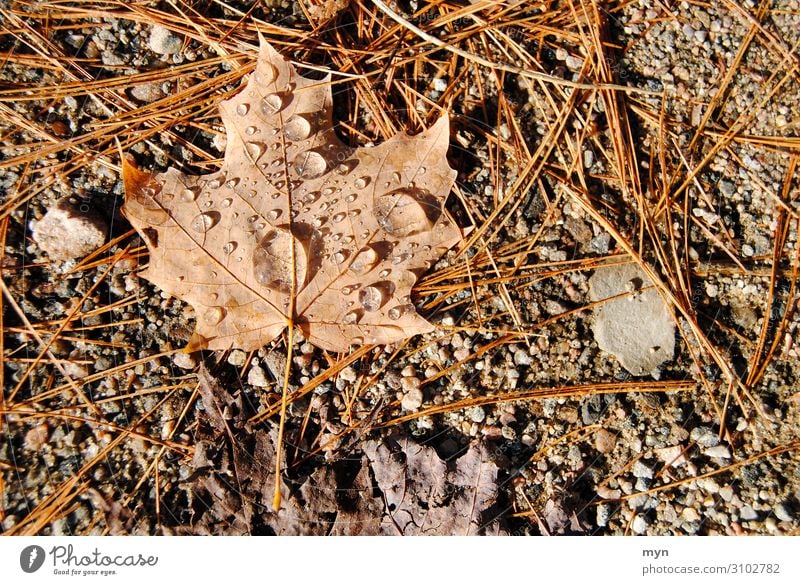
{"points": [[328, 191], [422, 171], [226, 202], [350, 198], [396, 177], [361, 182], [205, 221], [255, 150], [398, 311], [348, 239], [214, 183], [265, 73], [400, 258], [190, 193], [271, 104], [372, 297], [384, 273], [351, 317], [297, 128], [311, 197], [339, 217], [342, 169], [242, 109], [250, 130], [229, 247], [231, 183], [208, 203], [366, 259], [272, 261], [310, 164], [273, 214], [214, 315], [400, 214], [340, 257]]}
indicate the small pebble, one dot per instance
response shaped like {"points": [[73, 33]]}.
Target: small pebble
{"points": [[476, 414], [36, 438], [183, 360], [641, 470], [704, 437], [256, 376], [237, 358], [164, 42], [412, 399], [719, 451], [604, 441], [748, 513]]}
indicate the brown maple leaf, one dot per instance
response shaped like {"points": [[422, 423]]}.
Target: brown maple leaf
{"points": [[297, 228]]}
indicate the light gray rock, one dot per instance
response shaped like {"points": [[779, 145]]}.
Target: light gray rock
{"points": [[67, 231], [164, 42], [637, 329]]}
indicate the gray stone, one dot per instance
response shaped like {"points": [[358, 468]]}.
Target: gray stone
{"points": [[163, 42], [67, 232], [637, 329]]}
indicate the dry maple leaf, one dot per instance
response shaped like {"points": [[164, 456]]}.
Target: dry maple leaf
{"points": [[297, 228]]}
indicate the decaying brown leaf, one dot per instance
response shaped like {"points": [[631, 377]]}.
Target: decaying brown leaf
{"points": [[297, 228], [394, 486]]}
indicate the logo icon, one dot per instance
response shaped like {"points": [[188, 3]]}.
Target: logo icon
{"points": [[31, 558]]}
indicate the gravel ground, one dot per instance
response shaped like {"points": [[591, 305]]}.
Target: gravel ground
{"points": [[592, 463]]}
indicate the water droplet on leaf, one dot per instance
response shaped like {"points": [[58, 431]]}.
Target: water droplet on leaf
{"points": [[401, 214], [366, 259], [297, 128], [310, 164], [242, 109], [271, 104], [272, 261], [372, 297], [205, 221]]}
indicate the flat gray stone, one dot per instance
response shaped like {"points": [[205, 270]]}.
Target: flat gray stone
{"points": [[67, 232], [637, 329]]}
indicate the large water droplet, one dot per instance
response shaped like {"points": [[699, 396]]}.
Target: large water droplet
{"points": [[264, 73], [215, 183], [226, 202], [229, 247], [242, 109], [338, 217], [398, 311], [350, 198], [255, 150], [271, 104], [190, 193], [205, 221], [297, 128], [273, 214], [272, 261], [401, 214], [361, 182], [372, 297], [366, 259], [310, 164], [213, 315]]}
